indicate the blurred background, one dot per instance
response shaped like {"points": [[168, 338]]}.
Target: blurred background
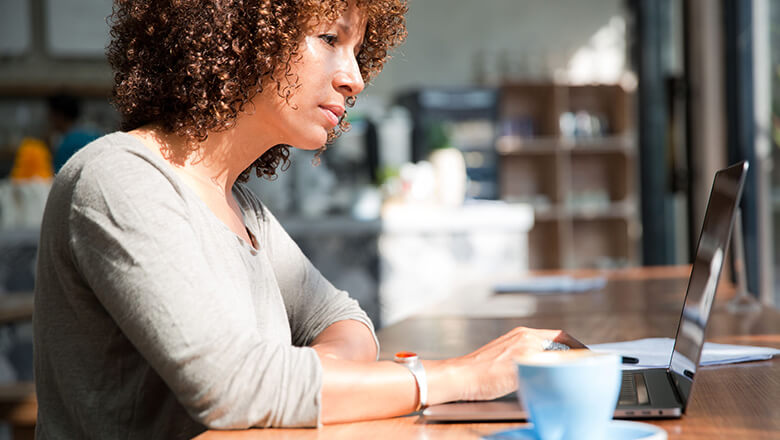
{"points": [[505, 136]]}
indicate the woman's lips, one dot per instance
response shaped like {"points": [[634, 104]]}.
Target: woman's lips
{"points": [[333, 113]]}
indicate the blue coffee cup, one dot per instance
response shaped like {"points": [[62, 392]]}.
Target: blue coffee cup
{"points": [[569, 394]]}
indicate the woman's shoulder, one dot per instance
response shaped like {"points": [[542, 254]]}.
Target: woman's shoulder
{"points": [[116, 162], [106, 150]]}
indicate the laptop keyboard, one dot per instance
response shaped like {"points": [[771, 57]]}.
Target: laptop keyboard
{"points": [[633, 390]]}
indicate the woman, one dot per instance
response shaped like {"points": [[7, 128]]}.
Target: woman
{"points": [[168, 299]]}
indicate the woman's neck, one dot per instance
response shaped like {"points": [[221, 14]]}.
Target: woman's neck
{"points": [[217, 162], [210, 170]]}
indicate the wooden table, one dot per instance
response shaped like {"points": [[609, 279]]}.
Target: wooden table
{"points": [[729, 402]]}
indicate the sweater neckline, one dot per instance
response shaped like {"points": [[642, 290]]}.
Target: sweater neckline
{"points": [[167, 169]]}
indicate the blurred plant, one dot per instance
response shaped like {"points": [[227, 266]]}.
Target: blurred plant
{"points": [[438, 136], [386, 173]]}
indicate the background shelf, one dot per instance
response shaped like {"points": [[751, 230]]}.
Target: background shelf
{"points": [[570, 152]]}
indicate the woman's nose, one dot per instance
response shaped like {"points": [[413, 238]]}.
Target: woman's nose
{"points": [[348, 80]]}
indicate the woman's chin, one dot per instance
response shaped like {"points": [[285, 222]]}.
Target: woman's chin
{"points": [[312, 143]]}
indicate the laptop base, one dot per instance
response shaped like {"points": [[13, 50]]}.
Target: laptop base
{"points": [[663, 404]]}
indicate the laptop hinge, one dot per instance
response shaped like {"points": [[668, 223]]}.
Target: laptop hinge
{"points": [[677, 395]]}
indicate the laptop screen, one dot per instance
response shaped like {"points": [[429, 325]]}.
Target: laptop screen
{"points": [[710, 253]]}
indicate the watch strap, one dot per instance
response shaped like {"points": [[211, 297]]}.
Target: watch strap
{"points": [[413, 363]]}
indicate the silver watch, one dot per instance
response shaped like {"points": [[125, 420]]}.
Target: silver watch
{"points": [[414, 364]]}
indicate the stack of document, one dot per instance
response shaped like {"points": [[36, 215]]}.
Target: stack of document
{"points": [[551, 284], [656, 352]]}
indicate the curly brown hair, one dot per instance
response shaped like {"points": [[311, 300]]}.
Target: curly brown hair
{"points": [[191, 66]]}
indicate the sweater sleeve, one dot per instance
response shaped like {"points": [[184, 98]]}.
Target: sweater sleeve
{"points": [[133, 244], [312, 302]]}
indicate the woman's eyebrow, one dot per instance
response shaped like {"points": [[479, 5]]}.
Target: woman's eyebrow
{"points": [[345, 29]]}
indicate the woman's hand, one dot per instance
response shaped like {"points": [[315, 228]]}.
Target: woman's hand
{"points": [[355, 390], [490, 371]]}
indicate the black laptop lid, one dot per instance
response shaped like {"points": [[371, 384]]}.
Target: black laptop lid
{"points": [[705, 273]]}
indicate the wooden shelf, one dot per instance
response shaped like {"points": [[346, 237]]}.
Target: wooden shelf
{"points": [[582, 187], [615, 210], [602, 243], [518, 145], [531, 179]]}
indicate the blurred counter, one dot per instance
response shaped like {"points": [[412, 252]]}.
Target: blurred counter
{"points": [[342, 225], [415, 256]]}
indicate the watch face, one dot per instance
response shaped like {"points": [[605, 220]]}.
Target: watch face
{"points": [[405, 356]]}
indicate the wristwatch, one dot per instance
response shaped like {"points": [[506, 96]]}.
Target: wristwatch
{"points": [[413, 363]]}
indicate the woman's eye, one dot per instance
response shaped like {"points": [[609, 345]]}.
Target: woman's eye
{"points": [[329, 39]]}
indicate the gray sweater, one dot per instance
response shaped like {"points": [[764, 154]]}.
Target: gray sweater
{"points": [[154, 320]]}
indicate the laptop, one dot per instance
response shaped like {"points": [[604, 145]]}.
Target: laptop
{"points": [[656, 392]]}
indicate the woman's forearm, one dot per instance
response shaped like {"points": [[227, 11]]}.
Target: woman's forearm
{"points": [[355, 387], [354, 391], [346, 340], [363, 390]]}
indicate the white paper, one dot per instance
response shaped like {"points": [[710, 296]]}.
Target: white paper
{"points": [[657, 352]]}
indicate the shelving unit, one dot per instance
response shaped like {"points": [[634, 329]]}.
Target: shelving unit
{"points": [[570, 152]]}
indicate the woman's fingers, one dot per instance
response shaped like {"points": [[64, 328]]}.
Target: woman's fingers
{"points": [[558, 336], [565, 338], [492, 365]]}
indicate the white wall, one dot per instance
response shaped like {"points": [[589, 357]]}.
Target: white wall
{"points": [[15, 35], [77, 27], [446, 36], [445, 43]]}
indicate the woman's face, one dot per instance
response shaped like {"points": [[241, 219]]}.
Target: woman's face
{"points": [[327, 73]]}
